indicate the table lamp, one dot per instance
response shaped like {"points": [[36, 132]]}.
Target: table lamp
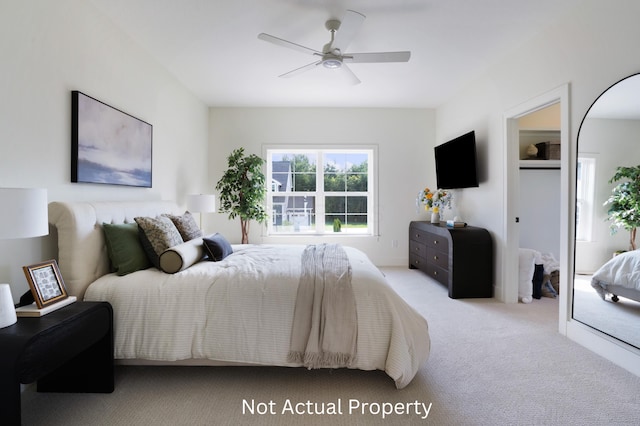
{"points": [[23, 214], [201, 203]]}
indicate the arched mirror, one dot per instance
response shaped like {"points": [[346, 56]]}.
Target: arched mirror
{"points": [[606, 292]]}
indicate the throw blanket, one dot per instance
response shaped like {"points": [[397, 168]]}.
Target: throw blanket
{"points": [[325, 325]]}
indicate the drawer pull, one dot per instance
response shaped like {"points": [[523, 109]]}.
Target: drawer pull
{"points": [[435, 273], [435, 257], [435, 241], [417, 248], [417, 262]]}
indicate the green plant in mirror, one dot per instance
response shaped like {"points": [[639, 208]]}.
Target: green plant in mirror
{"points": [[624, 202], [242, 190]]}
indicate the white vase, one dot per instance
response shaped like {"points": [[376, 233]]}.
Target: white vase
{"points": [[435, 217]]}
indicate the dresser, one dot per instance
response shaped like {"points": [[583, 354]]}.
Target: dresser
{"points": [[459, 258]]}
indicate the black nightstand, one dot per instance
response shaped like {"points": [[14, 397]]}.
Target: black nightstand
{"points": [[68, 350]]}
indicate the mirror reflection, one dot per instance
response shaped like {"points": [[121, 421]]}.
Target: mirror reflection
{"points": [[606, 294]]}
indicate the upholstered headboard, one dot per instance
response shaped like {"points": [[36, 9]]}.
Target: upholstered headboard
{"points": [[82, 253]]}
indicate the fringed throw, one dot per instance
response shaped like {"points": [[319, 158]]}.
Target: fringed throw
{"points": [[325, 324]]}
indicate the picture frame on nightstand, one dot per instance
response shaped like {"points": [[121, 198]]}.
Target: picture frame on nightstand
{"points": [[46, 283]]}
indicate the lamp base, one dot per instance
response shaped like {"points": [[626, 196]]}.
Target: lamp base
{"points": [[7, 311]]}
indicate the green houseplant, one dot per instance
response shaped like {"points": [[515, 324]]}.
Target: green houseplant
{"points": [[242, 190], [624, 202]]}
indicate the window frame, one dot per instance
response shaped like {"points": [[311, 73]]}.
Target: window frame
{"points": [[319, 150], [585, 196]]}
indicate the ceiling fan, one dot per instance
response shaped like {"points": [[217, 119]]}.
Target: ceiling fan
{"points": [[333, 54]]}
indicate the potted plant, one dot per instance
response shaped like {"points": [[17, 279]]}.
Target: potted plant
{"points": [[242, 190], [624, 202]]}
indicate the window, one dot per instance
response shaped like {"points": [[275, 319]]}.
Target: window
{"points": [[320, 191], [585, 198]]}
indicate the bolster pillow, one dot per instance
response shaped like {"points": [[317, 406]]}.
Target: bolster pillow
{"points": [[180, 257]]}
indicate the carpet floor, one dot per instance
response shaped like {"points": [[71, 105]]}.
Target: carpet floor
{"points": [[490, 364]]}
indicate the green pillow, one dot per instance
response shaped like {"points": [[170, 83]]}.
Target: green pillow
{"points": [[124, 248]]}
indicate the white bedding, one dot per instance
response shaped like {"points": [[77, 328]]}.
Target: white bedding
{"points": [[241, 308], [622, 270]]}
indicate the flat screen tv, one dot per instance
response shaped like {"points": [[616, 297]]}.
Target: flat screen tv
{"points": [[456, 162]]}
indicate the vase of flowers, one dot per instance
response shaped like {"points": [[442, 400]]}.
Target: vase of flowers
{"points": [[434, 201]]}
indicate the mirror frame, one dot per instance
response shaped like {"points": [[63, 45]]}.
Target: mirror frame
{"points": [[617, 351]]}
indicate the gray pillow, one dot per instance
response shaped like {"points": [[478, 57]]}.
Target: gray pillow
{"points": [[157, 235], [217, 247], [186, 225]]}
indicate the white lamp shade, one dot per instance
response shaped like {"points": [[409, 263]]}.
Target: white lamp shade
{"points": [[7, 311], [23, 213], [201, 203]]}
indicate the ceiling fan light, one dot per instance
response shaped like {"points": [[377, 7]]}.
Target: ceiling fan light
{"points": [[332, 63]]}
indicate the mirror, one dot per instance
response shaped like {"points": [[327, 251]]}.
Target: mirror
{"points": [[606, 291]]}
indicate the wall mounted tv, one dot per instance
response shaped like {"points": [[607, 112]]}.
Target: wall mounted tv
{"points": [[456, 162]]}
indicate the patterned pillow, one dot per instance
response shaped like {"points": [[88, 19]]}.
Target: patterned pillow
{"points": [[186, 225], [157, 235]]}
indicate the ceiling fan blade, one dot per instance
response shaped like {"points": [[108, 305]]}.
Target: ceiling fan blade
{"points": [[349, 75], [300, 70], [377, 57], [349, 26], [288, 44]]}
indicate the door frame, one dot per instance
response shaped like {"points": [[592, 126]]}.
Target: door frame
{"points": [[511, 185]]}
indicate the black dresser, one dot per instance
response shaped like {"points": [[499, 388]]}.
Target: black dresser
{"points": [[459, 258]]}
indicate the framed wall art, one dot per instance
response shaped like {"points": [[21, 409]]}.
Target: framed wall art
{"points": [[45, 282], [108, 146]]}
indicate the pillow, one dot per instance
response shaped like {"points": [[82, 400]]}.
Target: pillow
{"points": [[527, 265], [157, 235], [124, 248], [180, 257], [186, 225], [217, 247]]}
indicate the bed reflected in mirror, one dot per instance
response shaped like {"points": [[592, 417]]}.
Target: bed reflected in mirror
{"points": [[606, 292]]}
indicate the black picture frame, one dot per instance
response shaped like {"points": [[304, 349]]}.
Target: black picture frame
{"points": [[109, 146]]}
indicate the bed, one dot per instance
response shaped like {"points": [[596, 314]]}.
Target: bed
{"points": [[620, 276], [236, 311]]}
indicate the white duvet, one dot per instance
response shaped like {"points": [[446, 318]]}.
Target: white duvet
{"points": [[622, 270], [240, 310]]}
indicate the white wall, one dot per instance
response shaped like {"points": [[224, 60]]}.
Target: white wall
{"points": [[540, 210], [48, 49], [405, 140], [591, 48]]}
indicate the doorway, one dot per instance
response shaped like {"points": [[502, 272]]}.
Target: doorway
{"points": [[509, 293]]}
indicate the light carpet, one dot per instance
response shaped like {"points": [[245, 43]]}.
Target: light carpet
{"points": [[490, 364]]}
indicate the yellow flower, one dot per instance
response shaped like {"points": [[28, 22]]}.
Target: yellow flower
{"points": [[429, 195], [435, 209]]}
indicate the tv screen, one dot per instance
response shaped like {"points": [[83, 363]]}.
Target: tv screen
{"points": [[456, 162]]}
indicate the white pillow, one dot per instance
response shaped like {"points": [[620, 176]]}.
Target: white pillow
{"points": [[180, 257], [527, 263]]}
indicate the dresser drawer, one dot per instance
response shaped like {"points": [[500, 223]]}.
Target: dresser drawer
{"points": [[438, 258], [416, 234], [417, 248], [417, 262], [438, 273], [437, 242]]}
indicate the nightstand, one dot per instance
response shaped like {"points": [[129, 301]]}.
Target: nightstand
{"points": [[68, 350]]}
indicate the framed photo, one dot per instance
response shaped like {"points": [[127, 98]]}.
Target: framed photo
{"points": [[108, 146], [45, 282]]}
